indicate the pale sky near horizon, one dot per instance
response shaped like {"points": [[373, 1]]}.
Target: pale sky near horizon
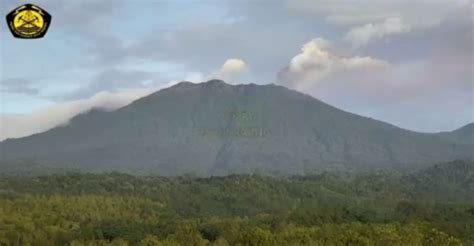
{"points": [[409, 63]]}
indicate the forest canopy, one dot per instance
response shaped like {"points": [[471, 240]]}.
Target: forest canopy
{"points": [[431, 207]]}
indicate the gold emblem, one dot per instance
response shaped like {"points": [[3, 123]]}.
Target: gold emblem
{"points": [[28, 21]]}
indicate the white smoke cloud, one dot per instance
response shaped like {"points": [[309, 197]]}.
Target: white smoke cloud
{"points": [[232, 71], [318, 61]]}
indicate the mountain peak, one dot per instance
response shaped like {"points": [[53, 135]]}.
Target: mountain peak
{"points": [[217, 83], [183, 84], [214, 82]]}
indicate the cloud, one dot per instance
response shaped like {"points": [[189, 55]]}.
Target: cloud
{"points": [[243, 29], [232, 71], [362, 35], [415, 13], [318, 61], [18, 86], [15, 126], [454, 35]]}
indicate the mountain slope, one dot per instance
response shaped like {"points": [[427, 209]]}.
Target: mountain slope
{"points": [[463, 135], [215, 129]]}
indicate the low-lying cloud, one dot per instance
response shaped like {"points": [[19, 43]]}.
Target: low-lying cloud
{"points": [[109, 98], [15, 126]]}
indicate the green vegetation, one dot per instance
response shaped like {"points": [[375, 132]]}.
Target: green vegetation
{"points": [[431, 207]]}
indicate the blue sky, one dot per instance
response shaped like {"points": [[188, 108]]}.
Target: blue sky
{"points": [[405, 62]]}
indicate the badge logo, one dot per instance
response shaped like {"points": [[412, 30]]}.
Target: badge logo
{"points": [[28, 21]]}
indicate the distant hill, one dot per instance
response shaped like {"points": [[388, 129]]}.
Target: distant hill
{"points": [[214, 128], [463, 135], [446, 181]]}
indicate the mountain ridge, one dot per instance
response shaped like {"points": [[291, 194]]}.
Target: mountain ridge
{"points": [[215, 128], [183, 84]]}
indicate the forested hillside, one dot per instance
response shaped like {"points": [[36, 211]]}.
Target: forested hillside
{"points": [[326, 209]]}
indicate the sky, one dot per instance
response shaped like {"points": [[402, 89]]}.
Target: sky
{"points": [[405, 62]]}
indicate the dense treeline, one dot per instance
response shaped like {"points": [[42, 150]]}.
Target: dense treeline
{"points": [[431, 207]]}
